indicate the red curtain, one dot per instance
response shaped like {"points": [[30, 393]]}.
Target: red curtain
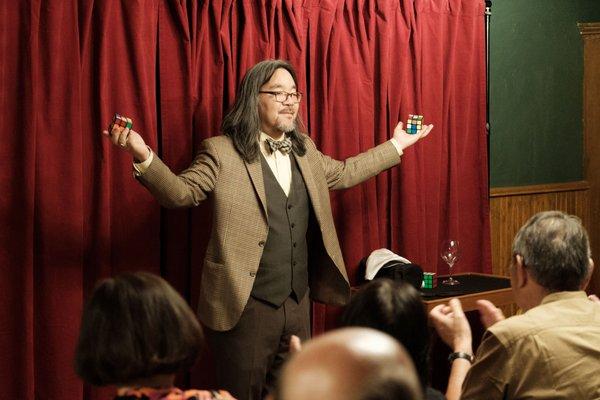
{"points": [[71, 212]]}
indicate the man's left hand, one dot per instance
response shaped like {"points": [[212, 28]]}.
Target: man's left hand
{"points": [[295, 344], [490, 314], [406, 140]]}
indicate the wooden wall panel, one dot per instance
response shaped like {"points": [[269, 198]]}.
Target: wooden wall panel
{"points": [[590, 33], [511, 207]]}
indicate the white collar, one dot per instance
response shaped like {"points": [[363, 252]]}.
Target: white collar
{"points": [[263, 137]]}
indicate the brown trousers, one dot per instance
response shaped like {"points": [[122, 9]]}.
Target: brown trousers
{"points": [[248, 358]]}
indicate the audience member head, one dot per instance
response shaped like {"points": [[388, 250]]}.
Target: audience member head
{"points": [[350, 364], [136, 329], [397, 309], [551, 253], [243, 122]]}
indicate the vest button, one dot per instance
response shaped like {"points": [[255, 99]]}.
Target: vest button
{"points": [[289, 206], [294, 244], [253, 274], [292, 224], [261, 243], [294, 263]]}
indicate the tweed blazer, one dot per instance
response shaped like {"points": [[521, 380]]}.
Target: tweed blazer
{"points": [[240, 221]]}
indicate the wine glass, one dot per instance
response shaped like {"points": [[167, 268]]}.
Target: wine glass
{"points": [[450, 255]]}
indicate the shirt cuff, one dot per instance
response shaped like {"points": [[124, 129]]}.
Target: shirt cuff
{"points": [[397, 146], [140, 168]]}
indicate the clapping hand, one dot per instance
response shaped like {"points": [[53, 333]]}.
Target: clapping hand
{"points": [[489, 313], [452, 326]]}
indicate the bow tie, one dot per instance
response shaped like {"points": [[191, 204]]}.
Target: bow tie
{"points": [[284, 146]]}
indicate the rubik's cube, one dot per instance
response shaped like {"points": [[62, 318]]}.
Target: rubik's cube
{"points": [[121, 121], [429, 280], [414, 123]]}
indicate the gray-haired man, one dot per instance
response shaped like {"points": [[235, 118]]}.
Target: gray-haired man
{"points": [[552, 351]]}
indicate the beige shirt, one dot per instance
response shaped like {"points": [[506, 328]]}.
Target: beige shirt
{"points": [[279, 162], [550, 352]]}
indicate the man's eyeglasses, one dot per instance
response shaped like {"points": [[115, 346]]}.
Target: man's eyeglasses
{"points": [[282, 97]]}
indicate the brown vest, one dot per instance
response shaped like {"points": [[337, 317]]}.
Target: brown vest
{"points": [[283, 268]]}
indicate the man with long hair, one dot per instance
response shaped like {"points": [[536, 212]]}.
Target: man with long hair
{"points": [[270, 191]]}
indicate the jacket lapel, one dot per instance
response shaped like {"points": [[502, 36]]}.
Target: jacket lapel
{"points": [[310, 183], [256, 176]]}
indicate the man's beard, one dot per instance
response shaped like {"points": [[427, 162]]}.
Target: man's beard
{"points": [[286, 126]]}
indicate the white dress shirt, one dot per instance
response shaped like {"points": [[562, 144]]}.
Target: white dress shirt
{"points": [[280, 163]]}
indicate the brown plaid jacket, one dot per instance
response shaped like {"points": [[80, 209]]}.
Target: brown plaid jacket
{"points": [[240, 224]]}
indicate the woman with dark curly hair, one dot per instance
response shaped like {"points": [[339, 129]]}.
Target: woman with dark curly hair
{"points": [[136, 333]]}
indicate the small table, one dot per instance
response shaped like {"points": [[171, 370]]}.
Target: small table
{"points": [[472, 287]]}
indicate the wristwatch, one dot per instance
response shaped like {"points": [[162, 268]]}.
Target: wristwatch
{"points": [[460, 354]]}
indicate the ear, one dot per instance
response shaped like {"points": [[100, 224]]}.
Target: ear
{"points": [[521, 273], [587, 279]]}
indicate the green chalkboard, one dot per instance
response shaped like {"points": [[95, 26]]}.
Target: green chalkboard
{"points": [[536, 90]]}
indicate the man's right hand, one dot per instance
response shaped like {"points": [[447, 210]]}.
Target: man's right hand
{"points": [[452, 326], [128, 140]]}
